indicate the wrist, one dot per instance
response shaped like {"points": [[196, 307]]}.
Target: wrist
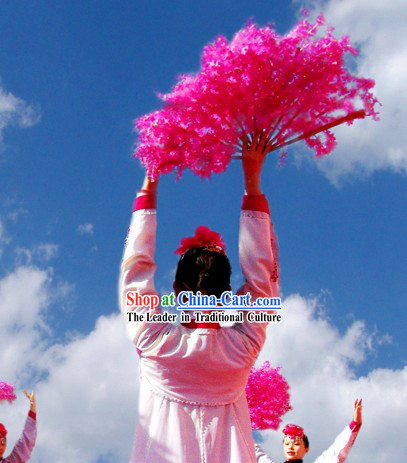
{"points": [[253, 188], [354, 425], [252, 183], [149, 186]]}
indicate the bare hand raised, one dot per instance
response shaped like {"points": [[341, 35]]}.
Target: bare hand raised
{"points": [[31, 398], [254, 153], [357, 411]]}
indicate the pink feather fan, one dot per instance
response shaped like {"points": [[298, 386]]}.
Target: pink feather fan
{"points": [[267, 397], [293, 87], [6, 392]]}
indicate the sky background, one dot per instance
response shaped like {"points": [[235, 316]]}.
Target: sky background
{"points": [[73, 77]]}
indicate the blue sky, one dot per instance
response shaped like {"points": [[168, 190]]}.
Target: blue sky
{"points": [[85, 70]]}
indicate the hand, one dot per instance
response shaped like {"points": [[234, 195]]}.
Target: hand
{"points": [[254, 153], [31, 398], [357, 412], [150, 184]]}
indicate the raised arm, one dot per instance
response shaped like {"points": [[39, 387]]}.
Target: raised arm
{"points": [[258, 251], [258, 243], [339, 450], [138, 266], [261, 456], [24, 446]]}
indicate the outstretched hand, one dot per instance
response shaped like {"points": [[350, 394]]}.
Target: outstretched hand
{"points": [[150, 185], [357, 411], [31, 398], [254, 153]]}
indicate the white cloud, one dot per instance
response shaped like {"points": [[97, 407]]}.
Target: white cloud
{"points": [[84, 387], [46, 251], [91, 396], [4, 238], [23, 331], [3, 235], [85, 229], [42, 252], [318, 362], [377, 27], [87, 385], [15, 111]]}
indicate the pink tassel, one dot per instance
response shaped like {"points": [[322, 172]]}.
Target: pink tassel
{"points": [[6, 392], [267, 397], [294, 87]]}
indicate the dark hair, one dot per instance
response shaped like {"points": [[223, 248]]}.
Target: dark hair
{"points": [[203, 270]]}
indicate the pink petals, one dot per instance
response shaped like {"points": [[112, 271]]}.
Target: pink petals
{"points": [[295, 87], [292, 430], [204, 238], [267, 397], [6, 392]]}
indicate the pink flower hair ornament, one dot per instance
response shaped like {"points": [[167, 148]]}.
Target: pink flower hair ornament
{"points": [[7, 392], [3, 431], [267, 397], [292, 430], [204, 238]]}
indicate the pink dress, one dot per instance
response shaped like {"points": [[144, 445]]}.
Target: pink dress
{"points": [[192, 403], [23, 448]]}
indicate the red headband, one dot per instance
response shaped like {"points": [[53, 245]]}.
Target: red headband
{"points": [[204, 238], [292, 430], [3, 431]]}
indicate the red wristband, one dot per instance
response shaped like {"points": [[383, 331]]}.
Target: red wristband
{"points": [[145, 201], [255, 203]]}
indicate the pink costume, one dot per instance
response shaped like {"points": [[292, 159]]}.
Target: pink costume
{"points": [[192, 403], [336, 453], [23, 448]]}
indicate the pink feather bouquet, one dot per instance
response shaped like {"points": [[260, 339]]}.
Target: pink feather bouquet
{"points": [[6, 392], [267, 397], [293, 87]]}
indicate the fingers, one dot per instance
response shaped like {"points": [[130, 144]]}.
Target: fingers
{"points": [[29, 396], [263, 142], [255, 145], [357, 411]]}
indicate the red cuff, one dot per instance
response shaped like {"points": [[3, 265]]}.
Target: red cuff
{"points": [[33, 415], [255, 203], [354, 427], [145, 201]]}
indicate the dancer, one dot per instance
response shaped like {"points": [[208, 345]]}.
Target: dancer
{"points": [[192, 404], [296, 444], [23, 448]]}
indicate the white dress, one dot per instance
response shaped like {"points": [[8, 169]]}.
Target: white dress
{"points": [[192, 403]]}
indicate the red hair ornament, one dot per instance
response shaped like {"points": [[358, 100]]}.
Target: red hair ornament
{"points": [[3, 431], [292, 430], [204, 238]]}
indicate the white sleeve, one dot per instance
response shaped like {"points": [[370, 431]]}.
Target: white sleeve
{"points": [[258, 253], [137, 274], [24, 446], [261, 456], [339, 450]]}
